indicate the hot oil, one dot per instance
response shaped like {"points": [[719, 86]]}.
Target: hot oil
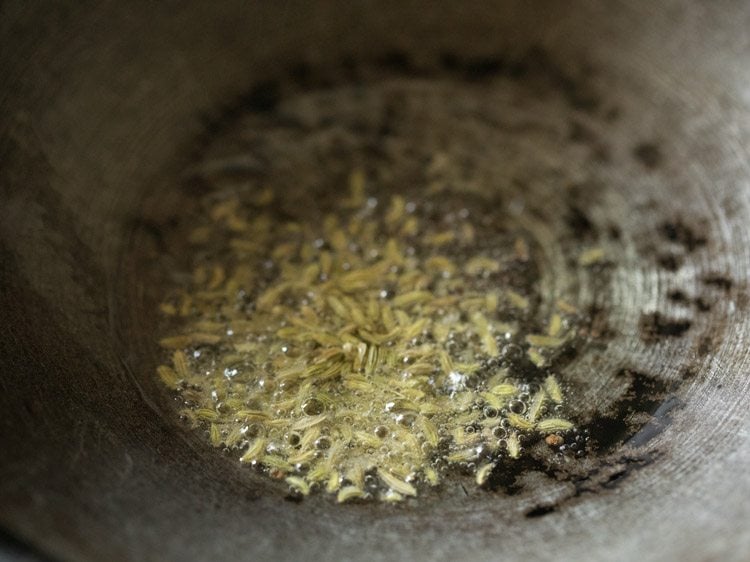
{"points": [[372, 290]]}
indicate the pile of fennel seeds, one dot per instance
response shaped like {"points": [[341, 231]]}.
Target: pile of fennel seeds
{"points": [[364, 353]]}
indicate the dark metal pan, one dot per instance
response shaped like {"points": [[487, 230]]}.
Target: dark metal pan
{"points": [[102, 106]]}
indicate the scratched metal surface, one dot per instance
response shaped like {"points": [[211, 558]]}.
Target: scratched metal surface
{"points": [[102, 104]]}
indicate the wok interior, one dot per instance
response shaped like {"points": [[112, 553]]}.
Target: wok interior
{"points": [[105, 106]]}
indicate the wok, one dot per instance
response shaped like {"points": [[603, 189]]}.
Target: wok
{"points": [[103, 105]]}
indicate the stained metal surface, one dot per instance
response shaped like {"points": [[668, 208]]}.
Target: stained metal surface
{"points": [[101, 108]]}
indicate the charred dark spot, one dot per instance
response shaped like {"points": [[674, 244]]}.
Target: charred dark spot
{"points": [[482, 68], [676, 295], [598, 326], [648, 154], [615, 478], [680, 297], [719, 281], [612, 114], [534, 64], [264, 97], [475, 68], [302, 74], [294, 497], [655, 326], [614, 232], [449, 61], [540, 511], [679, 233], [579, 222], [670, 262], [607, 432], [645, 395], [397, 61], [601, 153], [646, 391], [706, 345], [688, 373], [612, 473], [350, 68], [702, 304], [578, 132]]}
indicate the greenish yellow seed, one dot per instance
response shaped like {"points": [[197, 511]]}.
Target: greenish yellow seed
{"points": [[479, 265], [591, 256], [298, 484], [356, 475], [540, 340], [392, 496], [553, 389], [430, 431], [555, 325], [180, 362], [554, 424], [536, 406], [440, 238], [519, 422], [255, 451], [411, 298], [168, 308], [461, 456], [215, 435], [514, 445], [397, 485], [504, 390], [206, 414], [483, 473], [431, 476], [348, 493], [167, 376], [333, 482], [517, 300], [566, 307], [536, 357], [275, 461]]}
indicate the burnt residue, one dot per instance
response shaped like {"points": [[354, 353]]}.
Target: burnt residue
{"points": [[644, 396], [397, 61], [670, 262], [611, 473], [648, 154], [612, 114], [608, 431], [614, 232], [578, 222], [474, 68], [708, 343], [598, 328], [264, 97], [680, 233], [580, 133], [722, 282], [678, 296], [533, 64], [540, 511], [655, 326]]}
